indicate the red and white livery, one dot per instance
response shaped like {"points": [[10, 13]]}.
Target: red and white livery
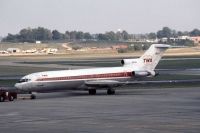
{"points": [[95, 78]]}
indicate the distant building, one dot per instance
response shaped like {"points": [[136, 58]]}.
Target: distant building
{"points": [[164, 39], [37, 42], [13, 50], [173, 39], [196, 39], [152, 40], [184, 37]]}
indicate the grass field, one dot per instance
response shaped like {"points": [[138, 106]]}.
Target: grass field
{"points": [[62, 52]]}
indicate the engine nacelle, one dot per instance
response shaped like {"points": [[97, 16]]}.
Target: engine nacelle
{"points": [[129, 61], [139, 74]]}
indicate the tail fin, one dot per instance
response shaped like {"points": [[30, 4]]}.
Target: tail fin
{"points": [[152, 56]]}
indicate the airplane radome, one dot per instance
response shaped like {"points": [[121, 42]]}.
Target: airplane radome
{"points": [[92, 79]]}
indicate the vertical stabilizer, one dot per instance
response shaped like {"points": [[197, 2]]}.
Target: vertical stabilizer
{"points": [[152, 56]]}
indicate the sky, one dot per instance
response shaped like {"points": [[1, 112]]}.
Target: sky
{"points": [[99, 16]]}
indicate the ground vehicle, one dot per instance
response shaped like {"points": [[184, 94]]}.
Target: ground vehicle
{"points": [[7, 95]]}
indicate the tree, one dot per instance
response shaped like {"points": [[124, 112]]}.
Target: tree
{"points": [[111, 35], [174, 33], [73, 35], [180, 33], [56, 35], [165, 32], [195, 32], [26, 35], [79, 35], [67, 35], [102, 37], [152, 35], [125, 35], [119, 36], [42, 34], [10, 38], [87, 36]]}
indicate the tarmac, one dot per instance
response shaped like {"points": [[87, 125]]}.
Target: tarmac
{"points": [[152, 110]]}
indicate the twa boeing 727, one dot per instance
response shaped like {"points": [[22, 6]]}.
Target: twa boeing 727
{"points": [[95, 78]]}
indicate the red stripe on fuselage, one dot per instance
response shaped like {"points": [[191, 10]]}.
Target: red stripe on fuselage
{"points": [[106, 75]]}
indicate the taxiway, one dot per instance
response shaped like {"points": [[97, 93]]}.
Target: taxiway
{"points": [[130, 110]]}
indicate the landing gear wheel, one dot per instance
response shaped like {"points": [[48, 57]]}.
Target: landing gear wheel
{"points": [[92, 91], [33, 96], [110, 91], [11, 98], [2, 99]]}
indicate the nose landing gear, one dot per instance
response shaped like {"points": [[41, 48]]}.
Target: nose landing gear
{"points": [[33, 95]]}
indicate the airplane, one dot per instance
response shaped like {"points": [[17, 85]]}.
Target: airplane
{"points": [[92, 79]]}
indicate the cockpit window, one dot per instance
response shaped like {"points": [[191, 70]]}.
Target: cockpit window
{"points": [[23, 80]]}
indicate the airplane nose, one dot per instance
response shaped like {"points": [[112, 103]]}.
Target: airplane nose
{"points": [[18, 86]]}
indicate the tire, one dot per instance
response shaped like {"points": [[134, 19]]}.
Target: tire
{"points": [[11, 98], [2, 99], [33, 96], [92, 91], [110, 91]]}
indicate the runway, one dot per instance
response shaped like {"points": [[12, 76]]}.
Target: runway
{"points": [[156, 109], [130, 110]]}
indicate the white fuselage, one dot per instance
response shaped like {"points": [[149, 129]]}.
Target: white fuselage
{"points": [[72, 79], [85, 78]]}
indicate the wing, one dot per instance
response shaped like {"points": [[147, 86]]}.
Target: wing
{"points": [[114, 83], [164, 81], [103, 83]]}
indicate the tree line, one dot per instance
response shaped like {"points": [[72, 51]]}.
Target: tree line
{"points": [[45, 35]]}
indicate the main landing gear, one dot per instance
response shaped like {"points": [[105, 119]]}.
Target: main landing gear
{"points": [[110, 91], [92, 91]]}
